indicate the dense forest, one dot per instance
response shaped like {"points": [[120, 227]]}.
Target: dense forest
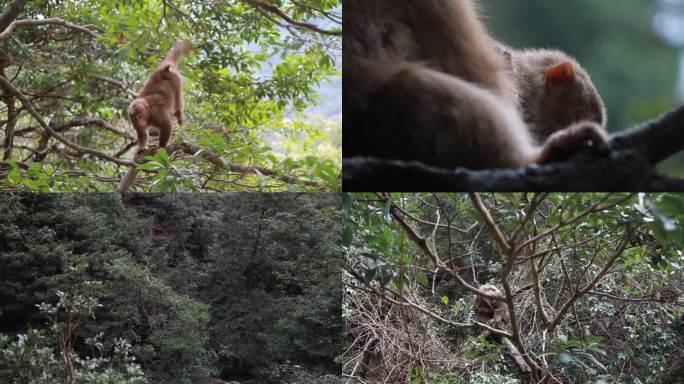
{"points": [[514, 288], [170, 288], [252, 85]]}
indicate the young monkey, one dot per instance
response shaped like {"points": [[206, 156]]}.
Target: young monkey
{"points": [[160, 99], [423, 80]]}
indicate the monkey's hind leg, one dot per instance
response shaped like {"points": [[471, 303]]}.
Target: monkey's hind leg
{"points": [[425, 115]]}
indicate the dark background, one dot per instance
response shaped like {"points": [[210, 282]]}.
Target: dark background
{"points": [[633, 69]]}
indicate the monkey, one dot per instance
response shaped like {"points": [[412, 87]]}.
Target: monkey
{"points": [[495, 313], [491, 312], [423, 81], [160, 99], [553, 92]]}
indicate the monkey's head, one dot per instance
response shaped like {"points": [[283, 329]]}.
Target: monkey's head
{"points": [[491, 311], [139, 111], [554, 91]]}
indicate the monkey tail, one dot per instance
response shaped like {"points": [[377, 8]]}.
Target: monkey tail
{"points": [[178, 51]]}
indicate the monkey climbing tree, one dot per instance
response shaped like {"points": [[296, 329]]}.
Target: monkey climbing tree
{"points": [[69, 70], [503, 287]]}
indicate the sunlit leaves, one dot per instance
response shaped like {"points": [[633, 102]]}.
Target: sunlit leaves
{"points": [[248, 84]]}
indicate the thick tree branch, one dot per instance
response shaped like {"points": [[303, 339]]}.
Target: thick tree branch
{"points": [[489, 220], [12, 115], [629, 165], [51, 21]]}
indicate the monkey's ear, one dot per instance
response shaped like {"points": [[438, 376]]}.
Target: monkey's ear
{"points": [[167, 68], [560, 74]]}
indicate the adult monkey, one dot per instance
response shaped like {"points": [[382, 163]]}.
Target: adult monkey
{"points": [[495, 313], [423, 80], [160, 99], [491, 312]]}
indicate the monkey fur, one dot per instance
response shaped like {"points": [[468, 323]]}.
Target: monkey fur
{"points": [[491, 312], [160, 99], [423, 80], [495, 313]]}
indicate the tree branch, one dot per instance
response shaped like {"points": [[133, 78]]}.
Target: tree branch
{"points": [[86, 121], [587, 287], [629, 165], [266, 7], [51, 21], [210, 156], [27, 104]]}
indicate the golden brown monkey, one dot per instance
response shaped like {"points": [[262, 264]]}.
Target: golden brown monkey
{"points": [[491, 312], [423, 80], [160, 99]]}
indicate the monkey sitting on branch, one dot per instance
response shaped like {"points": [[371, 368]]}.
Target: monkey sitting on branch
{"points": [[495, 313], [160, 99], [491, 312], [424, 81]]}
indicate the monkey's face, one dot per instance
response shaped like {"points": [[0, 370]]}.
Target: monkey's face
{"points": [[141, 118], [139, 113]]}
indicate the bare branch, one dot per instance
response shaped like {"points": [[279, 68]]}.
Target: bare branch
{"points": [[489, 220], [421, 242], [587, 287], [51, 21]]}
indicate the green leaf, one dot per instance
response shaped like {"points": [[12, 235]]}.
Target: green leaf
{"points": [[346, 202], [422, 279], [347, 235], [565, 357]]}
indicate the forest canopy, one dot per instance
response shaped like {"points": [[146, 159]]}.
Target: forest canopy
{"points": [[169, 288], [69, 70], [514, 288]]}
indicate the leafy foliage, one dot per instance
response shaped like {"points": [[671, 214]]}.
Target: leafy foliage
{"points": [[201, 285], [249, 87], [31, 359], [594, 279]]}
